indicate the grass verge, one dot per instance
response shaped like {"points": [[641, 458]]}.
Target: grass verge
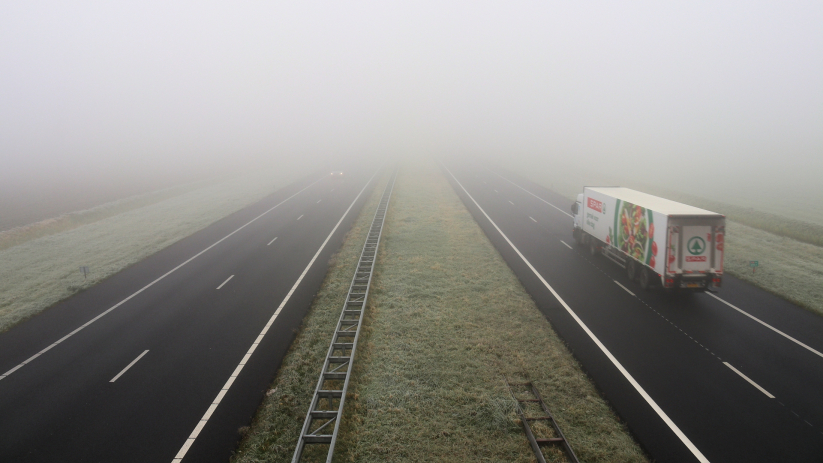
{"points": [[788, 268], [19, 235], [446, 320], [39, 272]]}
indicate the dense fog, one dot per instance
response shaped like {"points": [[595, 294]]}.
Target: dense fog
{"points": [[105, 99]]}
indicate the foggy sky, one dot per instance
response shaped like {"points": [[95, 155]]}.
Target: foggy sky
{"points": [[721, 93]]}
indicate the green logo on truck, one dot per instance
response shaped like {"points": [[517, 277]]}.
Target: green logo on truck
{"points": [[696, 245]]}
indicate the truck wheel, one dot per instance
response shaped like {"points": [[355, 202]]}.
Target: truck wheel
{"points": [[631, 269], [645, 279]]}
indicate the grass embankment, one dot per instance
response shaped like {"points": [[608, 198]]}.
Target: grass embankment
{"points": [[789, 252], [787, 268], [40, 271], [447, 319], [19, 235]]}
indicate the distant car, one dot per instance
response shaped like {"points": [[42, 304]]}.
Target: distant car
{"points": [[338, 174]]}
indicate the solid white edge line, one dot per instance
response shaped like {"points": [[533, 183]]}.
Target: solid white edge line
{"points": [[272, 241], [190, 440], [129, 366], [529, 192], [153, 282], [811, 349], [624, 288], [223, 283], [688, 443], [749, 380], [567, 245]]}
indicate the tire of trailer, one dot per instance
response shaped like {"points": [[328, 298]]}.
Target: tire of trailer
{"points": [[645, 279], [631, 269]]}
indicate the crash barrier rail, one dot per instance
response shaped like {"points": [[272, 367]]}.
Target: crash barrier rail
{"points": [[326, 407]]}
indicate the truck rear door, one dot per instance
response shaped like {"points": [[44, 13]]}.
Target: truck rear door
{"points": [[696, 248]]}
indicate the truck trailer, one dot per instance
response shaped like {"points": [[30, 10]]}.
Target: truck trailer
{"points": [[659, 242]]}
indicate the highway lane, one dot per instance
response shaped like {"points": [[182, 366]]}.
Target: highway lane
{"points": [[63, 405], [676, 349]]}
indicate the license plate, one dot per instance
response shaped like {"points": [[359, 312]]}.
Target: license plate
{"points": [[693, 285]]}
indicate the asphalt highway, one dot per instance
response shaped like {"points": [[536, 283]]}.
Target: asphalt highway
{"points": [[173, 354], [735, 376]]}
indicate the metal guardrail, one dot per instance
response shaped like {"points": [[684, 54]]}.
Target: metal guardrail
{"points": [[330, 393]]}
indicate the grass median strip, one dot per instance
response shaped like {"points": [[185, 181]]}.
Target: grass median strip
{"points": [[447, 319]]}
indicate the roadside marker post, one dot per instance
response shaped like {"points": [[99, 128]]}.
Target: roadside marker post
{"points": [[754, 264]]}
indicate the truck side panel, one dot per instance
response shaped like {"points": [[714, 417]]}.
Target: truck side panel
{"points": [[598, 215]]}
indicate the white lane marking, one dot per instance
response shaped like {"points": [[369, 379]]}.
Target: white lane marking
{"points": [[495, 191], [767, 325], [688, 443], [223, 283], [511, 203], [318, 201], [331, 191], [532, 219], [272, 241], [152, 283], [749, 380], [625, 289], [202, 423], [129, 366], [529, 192], [301, 216], [566, 244]]}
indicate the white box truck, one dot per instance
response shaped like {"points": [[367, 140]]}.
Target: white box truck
{"points": [[658, 241]]}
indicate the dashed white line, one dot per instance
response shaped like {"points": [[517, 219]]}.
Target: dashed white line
{"points": [[301, 216], [202, 423], [223, 283], [272, 241], [625, 289], [663, 416], [767, 325], [150, 284], [318, 201], [532, 219], [496, 191], [529, 192], [750, 381], [129, 366], [511, 203], [566, 244]]}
